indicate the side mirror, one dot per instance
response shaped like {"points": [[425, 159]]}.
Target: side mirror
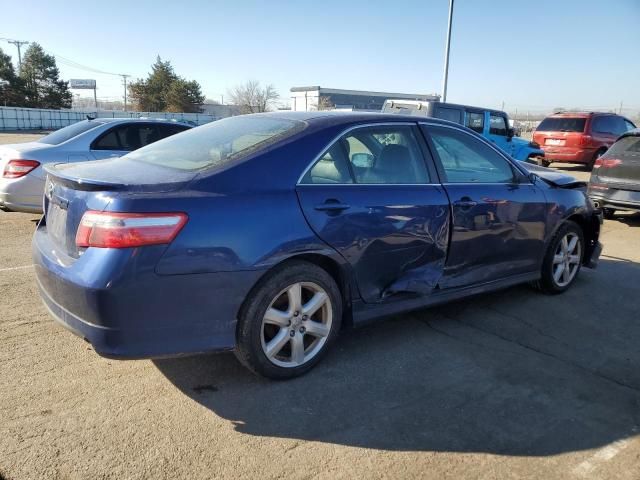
{"points": [[510, 133], [362, 160]]}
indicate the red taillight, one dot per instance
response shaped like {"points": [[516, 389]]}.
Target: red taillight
{"points": [[19, 168], [606, 162], [124, 230], [585, 140]]}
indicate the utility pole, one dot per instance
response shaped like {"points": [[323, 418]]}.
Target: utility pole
{"points": [[620, 112], [124, 80], [18, 43], [445, 77]]}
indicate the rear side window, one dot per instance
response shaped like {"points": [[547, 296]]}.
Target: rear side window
{"points": [[466, 159], [67, 133], [562, 124], [604, 124], [626, 148], [475, 121], [372, 155], [451, 114], [331, 168], [217, 143]]}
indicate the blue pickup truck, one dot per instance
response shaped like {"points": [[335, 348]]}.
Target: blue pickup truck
{"points": [[491, 124]]}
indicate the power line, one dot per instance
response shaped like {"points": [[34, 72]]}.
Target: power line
{"points": [[18, 44]]}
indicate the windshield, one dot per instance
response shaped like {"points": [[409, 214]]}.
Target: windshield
{"points": [[217, 143], [67, 133], [562, 124]]}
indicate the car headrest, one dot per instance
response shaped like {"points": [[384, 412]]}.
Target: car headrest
{"points": [[396, 164]]}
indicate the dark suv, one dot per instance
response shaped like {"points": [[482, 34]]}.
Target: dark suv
{"points": [[579, 137]]}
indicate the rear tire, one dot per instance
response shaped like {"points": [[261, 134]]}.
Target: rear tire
{"points": [[545, 163], [563, 259], [608, 213], [289, 321]]}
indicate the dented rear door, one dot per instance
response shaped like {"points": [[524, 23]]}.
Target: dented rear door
{"points": [[393, 235]]}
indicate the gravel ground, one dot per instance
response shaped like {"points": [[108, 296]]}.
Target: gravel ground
{"points": [[508, 385]]}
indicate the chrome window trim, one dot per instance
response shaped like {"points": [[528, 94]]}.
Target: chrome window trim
{"points": [[486, 142], [337, 137]]}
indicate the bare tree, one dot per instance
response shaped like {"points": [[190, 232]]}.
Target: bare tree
{"points": [[252, 98], [325, 103]]}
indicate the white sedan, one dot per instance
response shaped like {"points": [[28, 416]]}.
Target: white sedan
{"points": [[23, 178]]}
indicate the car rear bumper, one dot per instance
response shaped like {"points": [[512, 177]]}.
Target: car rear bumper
{"points": [[22, 194], [618, 199], [126, 313], [568, 155]]}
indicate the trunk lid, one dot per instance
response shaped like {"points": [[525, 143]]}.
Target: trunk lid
{"points": [[17, 151], [72, 189]]}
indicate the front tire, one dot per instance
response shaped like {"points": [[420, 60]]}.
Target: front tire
{"points": [[289, 321], [609, 213], [563, 259]]}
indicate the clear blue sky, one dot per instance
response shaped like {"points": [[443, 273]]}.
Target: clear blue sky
{"points": [[531, 54]]}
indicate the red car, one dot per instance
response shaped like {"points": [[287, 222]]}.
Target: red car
{"points": [[579, 137]]}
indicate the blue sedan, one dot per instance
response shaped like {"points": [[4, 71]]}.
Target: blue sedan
{"points": [[266, 234]]}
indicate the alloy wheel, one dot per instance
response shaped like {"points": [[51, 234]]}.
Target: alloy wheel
{"points": [[566, 260], [296, 325]]}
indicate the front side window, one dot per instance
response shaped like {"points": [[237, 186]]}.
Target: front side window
{"points": [[497, 125], [475, 121], [127, 137], [466, 159], [372, 155], [218, 143]]}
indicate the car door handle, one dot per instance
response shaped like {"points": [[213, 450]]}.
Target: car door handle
{"points": [[465, 203], [332, 205]]}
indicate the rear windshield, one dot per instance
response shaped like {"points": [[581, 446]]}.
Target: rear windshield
{"points": [[67, 133], [562, 124], [217, 143], [625, 148]]}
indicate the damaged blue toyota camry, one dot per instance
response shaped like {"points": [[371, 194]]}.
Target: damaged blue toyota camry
{"points": [[266, 234]]}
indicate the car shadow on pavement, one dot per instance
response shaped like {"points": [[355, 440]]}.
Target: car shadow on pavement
{"points": [[631, 219], [513, 373]]}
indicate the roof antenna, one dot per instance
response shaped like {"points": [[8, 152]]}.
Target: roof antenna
{"points": [[89, 117]]}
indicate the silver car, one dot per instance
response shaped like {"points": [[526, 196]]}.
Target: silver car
{"points": [[22, 181]]}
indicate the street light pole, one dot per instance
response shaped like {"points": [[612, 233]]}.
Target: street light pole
{"points": [[445, 77]]}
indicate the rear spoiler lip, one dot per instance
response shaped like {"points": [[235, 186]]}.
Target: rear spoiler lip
{"points": [[92, 185], [79, 183]]}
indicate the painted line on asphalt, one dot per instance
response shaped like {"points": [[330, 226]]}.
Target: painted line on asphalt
{"points": [[15, 268]]}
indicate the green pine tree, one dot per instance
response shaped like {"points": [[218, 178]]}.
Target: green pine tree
{"points": [[11, 86], [163, 90], [40, 74]]}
